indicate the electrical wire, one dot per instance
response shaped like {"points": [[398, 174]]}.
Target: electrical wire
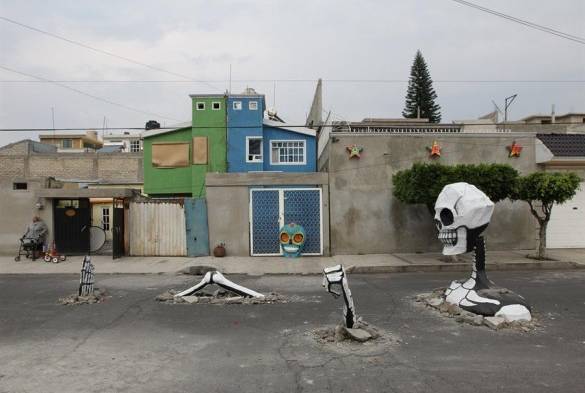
{"points": [[384, 81], [104, 52], [545, 29], [107, 101], [345, 133]]}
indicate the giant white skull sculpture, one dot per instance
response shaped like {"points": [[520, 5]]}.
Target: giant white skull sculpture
{"points": [[462, 212]]}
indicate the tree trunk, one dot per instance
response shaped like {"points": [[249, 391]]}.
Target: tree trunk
{"points": [[542, 240]]}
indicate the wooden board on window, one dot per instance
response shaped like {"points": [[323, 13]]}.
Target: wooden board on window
{"points": [[170, 154], [200, 150]]}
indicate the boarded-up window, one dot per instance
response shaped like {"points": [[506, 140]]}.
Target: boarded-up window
{"points": [[170, 155], [200, 150]]}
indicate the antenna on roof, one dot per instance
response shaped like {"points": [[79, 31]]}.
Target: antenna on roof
{"points": [[230, 79], [53, 119]]}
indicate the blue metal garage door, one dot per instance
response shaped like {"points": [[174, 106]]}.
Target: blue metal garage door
{"points": [[270, 209]]}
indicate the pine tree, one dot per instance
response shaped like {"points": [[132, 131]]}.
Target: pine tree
{"points": [[420, 93]]}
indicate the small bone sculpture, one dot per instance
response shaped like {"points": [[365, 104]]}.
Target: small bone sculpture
{"points": [[219, 279], [335, 276], [87, 277], [462, 213]]}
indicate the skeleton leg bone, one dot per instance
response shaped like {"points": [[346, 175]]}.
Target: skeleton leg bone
{"points": [[219, 279]]}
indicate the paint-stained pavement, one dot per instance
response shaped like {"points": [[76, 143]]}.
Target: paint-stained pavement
{"points": [[132, 343]]}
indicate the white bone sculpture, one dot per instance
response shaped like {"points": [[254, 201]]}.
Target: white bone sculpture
{"points": [[462, 212], [219, 279], [87, 277], [336, 276]]}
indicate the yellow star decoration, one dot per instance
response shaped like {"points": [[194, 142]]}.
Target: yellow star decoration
{"points": [[354, 151]]}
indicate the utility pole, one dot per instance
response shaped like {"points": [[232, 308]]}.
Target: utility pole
{"points": [[507, 102], [53, 119]]}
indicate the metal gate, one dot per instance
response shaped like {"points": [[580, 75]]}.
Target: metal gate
{"points": [[118, 249], [272, 208], [157, 229], [71, 219]]}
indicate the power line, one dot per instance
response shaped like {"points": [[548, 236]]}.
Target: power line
{"points": [[87, 94], [345, 133], [104, 52], [545, 29], [299, 81]]}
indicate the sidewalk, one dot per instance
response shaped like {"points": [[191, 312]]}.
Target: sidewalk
{"points": [[374, 263]]}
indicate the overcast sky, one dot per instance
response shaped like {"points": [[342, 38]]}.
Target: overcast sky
{"points": [[276, 39]]}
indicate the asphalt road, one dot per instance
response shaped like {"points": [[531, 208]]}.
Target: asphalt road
{"points": [[133, 344]]}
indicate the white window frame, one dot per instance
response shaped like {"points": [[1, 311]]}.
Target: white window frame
{"points": [[304, 142], [253, 105], [237, 105], [131, 148], [218, 106], [106, 218], [256, 159], [197, 106]]}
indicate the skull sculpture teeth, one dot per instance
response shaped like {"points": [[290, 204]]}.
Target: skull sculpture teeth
{"points": [[462, 212]]}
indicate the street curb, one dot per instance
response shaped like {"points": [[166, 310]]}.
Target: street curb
{"points": [[452, 267], [463, 267]]}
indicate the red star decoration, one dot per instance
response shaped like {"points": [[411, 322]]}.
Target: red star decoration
{"points": [[514, 149], [434, 150]]}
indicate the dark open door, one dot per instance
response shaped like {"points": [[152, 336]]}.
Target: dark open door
{"points": [[118, 229], [71, 217]]}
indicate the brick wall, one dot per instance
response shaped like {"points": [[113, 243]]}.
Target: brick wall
{"points": [[120, 167], [12, 167], [19, 148], [17, 163]]}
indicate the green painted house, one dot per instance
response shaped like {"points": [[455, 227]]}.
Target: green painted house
{"points": [[176, 160]]}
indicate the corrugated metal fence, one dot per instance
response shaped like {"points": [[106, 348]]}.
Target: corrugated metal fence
{"points": [[157, 229]]}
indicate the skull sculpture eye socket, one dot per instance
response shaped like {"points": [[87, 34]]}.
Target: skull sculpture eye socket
{"points": [[284, 238], [298, 238], [446, 217]]}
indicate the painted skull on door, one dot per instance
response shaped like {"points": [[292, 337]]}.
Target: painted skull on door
{"points": [[462, 212], [292, 239]]}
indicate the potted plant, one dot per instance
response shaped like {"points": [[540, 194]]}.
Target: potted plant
{"points": [[219, 250]]}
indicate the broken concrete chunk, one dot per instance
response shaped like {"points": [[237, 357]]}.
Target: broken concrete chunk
{"points": [[358, 334], [435, 301], [494, 322], [191, 299]]}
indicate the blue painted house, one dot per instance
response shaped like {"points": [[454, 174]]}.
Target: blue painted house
{"points": [[255, 144]]}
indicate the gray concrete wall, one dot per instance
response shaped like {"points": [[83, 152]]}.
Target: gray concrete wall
{"points": [[228, 205], [17, 208], [366, 218]]}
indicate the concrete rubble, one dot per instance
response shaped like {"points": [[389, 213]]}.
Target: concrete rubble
{"points": [[361, 333], [221, 297], [436, 301], [99, 296]]}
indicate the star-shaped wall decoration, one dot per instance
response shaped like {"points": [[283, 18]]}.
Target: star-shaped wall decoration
{"points": [[514, 149], [434, 150], [354, 151]]}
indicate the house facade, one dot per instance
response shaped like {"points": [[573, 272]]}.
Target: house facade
{"points": [[227, 134], [126, 141], [73, 143]]}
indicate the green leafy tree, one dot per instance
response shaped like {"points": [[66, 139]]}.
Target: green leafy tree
{"points": [[541, 190], [420, 94], [423, 182]]}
